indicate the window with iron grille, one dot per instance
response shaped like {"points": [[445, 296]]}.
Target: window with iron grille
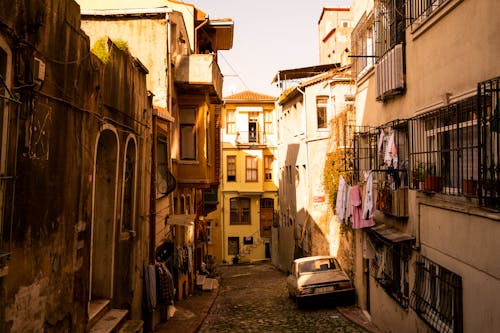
{"points": [[365, 152], [445, 145], [421, 10], [437, 296], [489, 115], [389, 25], [390, 269], [239, 210]]}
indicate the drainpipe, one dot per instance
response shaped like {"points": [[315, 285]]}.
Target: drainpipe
{"points": [[196, 48], [169, 65], [304, 113], [152, 204]]}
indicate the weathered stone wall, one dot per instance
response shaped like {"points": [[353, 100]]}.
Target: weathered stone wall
{"points": [[47, 284]]}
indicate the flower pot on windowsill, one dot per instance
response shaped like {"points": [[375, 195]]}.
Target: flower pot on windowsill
{"points": [[432, 184]]}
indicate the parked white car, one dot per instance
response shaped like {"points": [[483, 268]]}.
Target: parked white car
{"points": [[319, 278]]}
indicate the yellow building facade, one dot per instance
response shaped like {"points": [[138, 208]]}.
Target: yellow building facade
{"points": [[249, 190]]}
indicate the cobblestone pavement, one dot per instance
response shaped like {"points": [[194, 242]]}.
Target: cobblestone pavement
{"points": [[253, 298]]}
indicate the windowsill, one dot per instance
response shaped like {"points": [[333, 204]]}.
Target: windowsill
{"points": [[426, 21], [188, 162], [365, 74], [458, 204]]}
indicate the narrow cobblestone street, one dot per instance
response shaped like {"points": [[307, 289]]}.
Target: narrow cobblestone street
{"points": [[253, 298]]}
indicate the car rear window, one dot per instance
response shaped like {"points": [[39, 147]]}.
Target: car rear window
{"points": [[318, 265]]}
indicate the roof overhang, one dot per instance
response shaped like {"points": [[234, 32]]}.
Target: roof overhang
{"points": [[224, 32], [389, 234], [304, 72]]}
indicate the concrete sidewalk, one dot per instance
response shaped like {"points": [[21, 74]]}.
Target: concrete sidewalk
{"points": [[190, 313]]}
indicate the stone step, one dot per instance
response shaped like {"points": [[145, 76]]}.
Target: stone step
{"points": [[132, 326], [110, 322], [97, 308]]}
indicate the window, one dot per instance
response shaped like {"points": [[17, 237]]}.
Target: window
{"points": [[268, 167], [437, 296], [253, 120], [268, 122], [247, 240], [420, 10], [363, 46], [389, 25], [129, 181], [188, 134], [164, 179], [365, 152], [445, 148], [489, 119], [390, 269], [230, 122], [239, 211], [322, 111], [231, 168], [252, 169]]}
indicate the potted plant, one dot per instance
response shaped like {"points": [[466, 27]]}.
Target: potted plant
{"points": [[432, 181], [418, 176]]}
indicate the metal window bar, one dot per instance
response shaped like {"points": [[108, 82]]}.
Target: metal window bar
{"points": [[420, 10], [368, 157], [445, 149], [390, 270], [489, 136], [365, 152], [437, 296], [390, 25]]}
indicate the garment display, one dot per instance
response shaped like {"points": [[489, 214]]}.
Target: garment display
{"points": [[357, 220], [391, 152], [368, 204], [340, 206], [150, 298]]}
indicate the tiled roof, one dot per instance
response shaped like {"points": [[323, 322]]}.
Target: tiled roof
{"points": [[249, 96]]}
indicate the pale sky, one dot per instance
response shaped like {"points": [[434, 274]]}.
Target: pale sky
{"points": [[269, 35]]}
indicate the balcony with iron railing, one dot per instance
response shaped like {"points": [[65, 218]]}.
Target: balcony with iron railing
{"points": [[253, 138], [198, 73]]}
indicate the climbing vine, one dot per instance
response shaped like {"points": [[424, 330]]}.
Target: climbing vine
{"points": [[100, 48]]}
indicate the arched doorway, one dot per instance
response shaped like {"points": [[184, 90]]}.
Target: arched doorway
{"points": [[104, 216]]}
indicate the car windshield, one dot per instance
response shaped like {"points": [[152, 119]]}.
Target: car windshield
{"points": [[318, 265]]}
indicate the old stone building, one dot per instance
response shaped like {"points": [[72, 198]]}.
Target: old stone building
{"points": [[178, 43], [75, 158]]}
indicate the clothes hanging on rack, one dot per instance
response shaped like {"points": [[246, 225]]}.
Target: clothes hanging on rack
{"points": [[340, 206], [358, 221], [368, 203], [391, 152]]}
